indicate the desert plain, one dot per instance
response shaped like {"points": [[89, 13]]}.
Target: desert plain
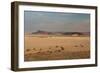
{"points": [[44, 47]]}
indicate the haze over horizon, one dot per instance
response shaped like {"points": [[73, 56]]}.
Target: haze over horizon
{"points": [[56, 22]]}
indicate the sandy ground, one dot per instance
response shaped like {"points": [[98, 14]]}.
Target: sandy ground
{"points": [[56, 48]]}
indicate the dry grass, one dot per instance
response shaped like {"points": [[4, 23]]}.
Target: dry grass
{"points": [[56, 48]]}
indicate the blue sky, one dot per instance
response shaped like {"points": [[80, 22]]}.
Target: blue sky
{"points": [[56, 21]]}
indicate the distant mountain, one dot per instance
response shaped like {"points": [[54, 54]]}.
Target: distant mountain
{"points": [[60, 33], [41, 32]]}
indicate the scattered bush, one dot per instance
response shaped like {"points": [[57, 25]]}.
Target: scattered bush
{"points": [[62, 48]]}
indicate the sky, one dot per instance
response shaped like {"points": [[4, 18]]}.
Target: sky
{"points": [[56, 21]]}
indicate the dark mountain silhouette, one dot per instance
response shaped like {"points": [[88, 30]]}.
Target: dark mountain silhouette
{"points": [[41, 32], [60, 33]]}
